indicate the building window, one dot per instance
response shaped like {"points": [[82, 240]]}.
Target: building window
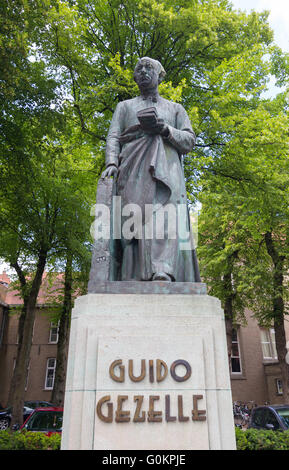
{"points": [[279, 387], [50, 373], [53, 332], [268, 343], [236, 367]]}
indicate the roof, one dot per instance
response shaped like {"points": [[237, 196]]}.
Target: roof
{"points": [[52, 283]]}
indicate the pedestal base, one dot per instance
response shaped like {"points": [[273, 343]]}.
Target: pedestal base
{"points": [[148, 371]]}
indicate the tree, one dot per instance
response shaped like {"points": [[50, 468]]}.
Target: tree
{"points": [[248, 189], [42, 197], [63, 331], [40, 209], [73, 283], [219, 256], [94, 45]]}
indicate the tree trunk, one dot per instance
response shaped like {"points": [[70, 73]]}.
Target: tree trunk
{"points": [[278, 312], [25, 333], [228, 302], [63, 337]]}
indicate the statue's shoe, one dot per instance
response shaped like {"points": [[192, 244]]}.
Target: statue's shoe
{"points": [[162, 277]]}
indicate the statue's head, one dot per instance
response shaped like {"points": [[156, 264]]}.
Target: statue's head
{"points": [[148, 73]]}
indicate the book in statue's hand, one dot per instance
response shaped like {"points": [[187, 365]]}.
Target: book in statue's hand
{"points": [[148, 116]]}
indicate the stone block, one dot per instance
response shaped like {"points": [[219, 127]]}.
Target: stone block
{"points": [[148, 371]]}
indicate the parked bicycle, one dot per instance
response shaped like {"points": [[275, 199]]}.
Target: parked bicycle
{"points": [[242, 413]]}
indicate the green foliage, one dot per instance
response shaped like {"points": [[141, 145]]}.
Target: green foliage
{"points": [[244, 196], [251, 439], [254, 439], [27, 440], [93, 48]]}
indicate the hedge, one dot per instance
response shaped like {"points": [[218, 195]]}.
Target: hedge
{"points": [[27, 440], [255, 439], [251, 439]]}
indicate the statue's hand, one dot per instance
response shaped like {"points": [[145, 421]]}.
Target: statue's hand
{"points": [[111, 170], [158, 128]]}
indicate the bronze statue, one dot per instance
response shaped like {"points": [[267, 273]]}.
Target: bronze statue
{"points": [[146, 140]]}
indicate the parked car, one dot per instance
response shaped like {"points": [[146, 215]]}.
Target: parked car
{"points": [[273, 417], [47, 420], [29, 406]]}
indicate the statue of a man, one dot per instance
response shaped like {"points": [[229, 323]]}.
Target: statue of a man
{"points": [[147, 137]]}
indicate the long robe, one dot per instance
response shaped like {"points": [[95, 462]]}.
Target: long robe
{"points": [[150, 172]]}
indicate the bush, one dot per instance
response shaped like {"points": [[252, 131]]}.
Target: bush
{"points": [[251, 439], [255, 439], [26, 440]]}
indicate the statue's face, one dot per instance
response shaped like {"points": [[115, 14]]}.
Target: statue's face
{"points": [[146, 75]]}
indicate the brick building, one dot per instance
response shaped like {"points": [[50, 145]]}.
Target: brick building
{"points": [[40, 374], [255, 374]]}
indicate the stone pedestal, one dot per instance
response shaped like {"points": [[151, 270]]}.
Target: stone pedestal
{"points": [[148, 371]]}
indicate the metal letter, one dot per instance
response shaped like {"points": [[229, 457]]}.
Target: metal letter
{"points": [[143, 371], [183, 363], [102, 417], [120, 415], [121, 368], [196, 414]]}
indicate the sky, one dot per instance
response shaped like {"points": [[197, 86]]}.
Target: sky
{"points": [[278, 18]]}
